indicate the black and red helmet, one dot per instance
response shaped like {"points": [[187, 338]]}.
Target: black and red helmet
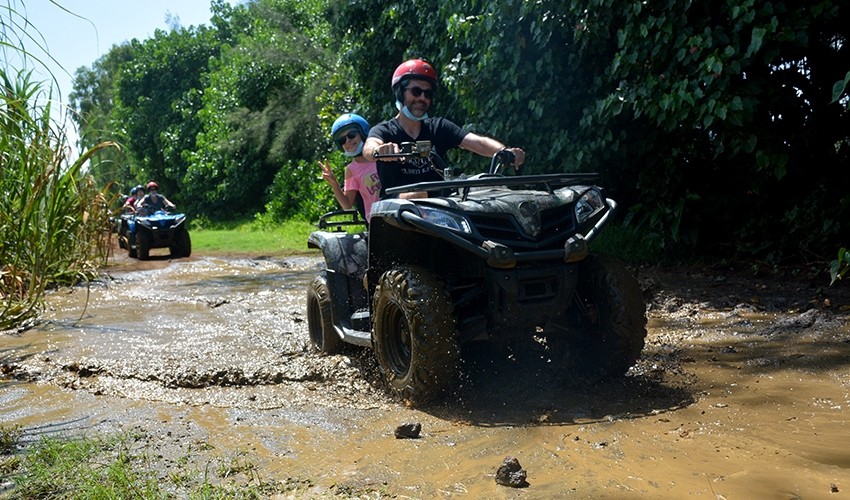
{"points": [[418, 69], [152, 185]]}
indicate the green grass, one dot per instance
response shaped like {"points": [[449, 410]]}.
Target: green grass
{"points": [[247, 237], [127, 465]]}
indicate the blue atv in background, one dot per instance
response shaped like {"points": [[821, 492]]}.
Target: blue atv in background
{"points": [[138, 234], [501, 259]]}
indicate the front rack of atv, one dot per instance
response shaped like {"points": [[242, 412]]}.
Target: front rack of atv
{"points": [[548, 181]]}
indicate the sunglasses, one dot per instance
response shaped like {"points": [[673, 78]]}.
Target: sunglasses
{"points": [[417, 91], [344, 138]]}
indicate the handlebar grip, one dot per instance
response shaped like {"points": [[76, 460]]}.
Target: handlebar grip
{"points": [[506, 156]]}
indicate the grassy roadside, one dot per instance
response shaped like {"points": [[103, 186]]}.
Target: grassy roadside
{"points": [[122, 466], [246, 237]]}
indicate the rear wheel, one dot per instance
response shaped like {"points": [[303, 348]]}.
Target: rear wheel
{"points": [[611, 316], [323, 337], [143, 244], [415, 336]]}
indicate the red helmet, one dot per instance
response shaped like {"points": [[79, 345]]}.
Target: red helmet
{"points": [[417, 69], [153, 185]]}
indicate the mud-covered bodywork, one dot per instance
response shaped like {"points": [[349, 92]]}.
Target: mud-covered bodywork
{"points": [[503, 253], [497, 258], [346, 259]]}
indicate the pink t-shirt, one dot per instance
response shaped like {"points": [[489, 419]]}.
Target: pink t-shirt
{"points": [[364, 179]]}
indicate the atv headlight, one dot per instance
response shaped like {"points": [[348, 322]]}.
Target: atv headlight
{"points": [[589, 203], [445, 219]]}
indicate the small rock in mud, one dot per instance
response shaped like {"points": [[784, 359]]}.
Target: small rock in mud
{"points": [[511, 473], [408, 431], [793, 324]]}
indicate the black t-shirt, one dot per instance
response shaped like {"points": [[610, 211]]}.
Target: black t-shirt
{"points": [[443, 134]]}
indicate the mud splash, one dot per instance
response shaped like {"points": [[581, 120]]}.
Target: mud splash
{"points": [[742, 392]]}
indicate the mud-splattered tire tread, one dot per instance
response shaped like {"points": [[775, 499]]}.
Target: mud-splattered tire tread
{"points": [[143, 244], [182, 244], [616, 342], [323, 337], [413, 297]]}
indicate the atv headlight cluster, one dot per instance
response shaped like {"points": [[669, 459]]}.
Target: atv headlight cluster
{"points": [[589, 203], [445, 219]]}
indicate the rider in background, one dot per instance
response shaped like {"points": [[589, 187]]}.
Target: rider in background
{"points": [[413, 84], [153, 201], [361, 177], [136, 194]]}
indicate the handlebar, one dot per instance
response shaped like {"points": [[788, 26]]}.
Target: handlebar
{"points": [[503, 158], [423, 149], [408, 149]]}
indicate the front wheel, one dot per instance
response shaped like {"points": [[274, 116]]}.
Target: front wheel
{"points": [[415, 334], [323, 336], [182, 246], [611, 316], [132, 251], [143, 244]]}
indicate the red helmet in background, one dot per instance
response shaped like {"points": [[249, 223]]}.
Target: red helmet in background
{"points": [[153, 185], [419, 69]]}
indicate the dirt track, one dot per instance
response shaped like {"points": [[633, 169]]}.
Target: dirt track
{"points": [[742, 391]]}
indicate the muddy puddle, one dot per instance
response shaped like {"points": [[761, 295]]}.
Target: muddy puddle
{"points": [[743, 391]]}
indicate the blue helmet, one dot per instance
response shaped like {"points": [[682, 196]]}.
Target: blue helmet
{"points": [[347, 121]]}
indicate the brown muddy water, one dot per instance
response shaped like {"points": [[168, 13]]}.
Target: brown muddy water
{"points": [[743, 391]]}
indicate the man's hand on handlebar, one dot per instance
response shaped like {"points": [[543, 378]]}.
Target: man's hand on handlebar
{"points": [[389, 151], [519, 157], [394, 152]]}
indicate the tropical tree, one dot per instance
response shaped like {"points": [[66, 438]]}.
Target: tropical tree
{"points": [[260, 113], [157, 98]]}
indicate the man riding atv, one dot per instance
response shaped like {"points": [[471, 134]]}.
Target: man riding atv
{"points": [[413, 85], [495, 258]]}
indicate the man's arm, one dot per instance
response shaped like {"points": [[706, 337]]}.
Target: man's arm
{"points": [[370, 147], [486, 146], [374, 145]]}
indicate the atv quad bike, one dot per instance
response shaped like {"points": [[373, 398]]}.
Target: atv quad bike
{"points": [[140, 233], [493, 257]]}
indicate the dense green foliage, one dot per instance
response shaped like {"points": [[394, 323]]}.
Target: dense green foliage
{"points": [[53, 218], [720, 126]]}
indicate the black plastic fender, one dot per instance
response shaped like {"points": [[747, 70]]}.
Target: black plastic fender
{"points": [[344, 253]]}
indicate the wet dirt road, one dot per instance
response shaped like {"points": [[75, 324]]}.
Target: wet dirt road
{"points": [[743, 391]]}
